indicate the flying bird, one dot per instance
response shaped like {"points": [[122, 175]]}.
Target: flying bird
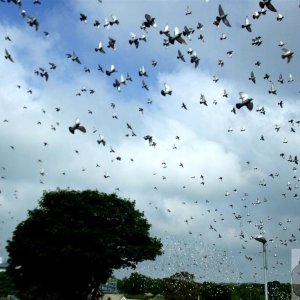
{"points": [[176, 37], [83, 18], [100, 48], [288, 54], [77, 126], [74, 57], [149, 22], [109, 23], [111, 70], [167, 90], [119, 82], [247, 24], [221, 17], [246, 101], [101, 140], [268, 4], [8, 56], [180, 56], [33, 22], [111, 43], [252, 77]]}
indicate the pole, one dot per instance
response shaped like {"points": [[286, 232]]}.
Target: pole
{"points": [[265, 269]]}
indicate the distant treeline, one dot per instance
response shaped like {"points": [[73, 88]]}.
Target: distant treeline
{"points": [[182, 286]]}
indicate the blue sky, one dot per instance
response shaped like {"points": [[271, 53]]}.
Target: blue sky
{"points": [[212, 182]]}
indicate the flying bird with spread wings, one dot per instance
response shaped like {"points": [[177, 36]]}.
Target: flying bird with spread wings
{"points": [[246, 101], [77, 126], [221, 17]]}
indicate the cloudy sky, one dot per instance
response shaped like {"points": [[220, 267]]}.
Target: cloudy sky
{"points": [[212, 177]]}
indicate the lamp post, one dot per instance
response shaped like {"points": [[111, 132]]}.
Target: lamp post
{"points": [[262, 240]]}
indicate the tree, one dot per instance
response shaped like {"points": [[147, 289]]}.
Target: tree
{"points": [[181, 286], [74, 240], [6, 285], [137, 283], [211, 291]]}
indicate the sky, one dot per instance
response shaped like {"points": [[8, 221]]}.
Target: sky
{"points": [[212, 177]]}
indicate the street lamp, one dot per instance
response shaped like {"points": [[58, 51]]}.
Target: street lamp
{"points": [[262, 240]]}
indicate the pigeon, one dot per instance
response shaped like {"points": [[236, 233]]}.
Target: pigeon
{"points": [[8, 56], [7, 38], [101, 140], [33, 22], [223, 37], [74, 57], [272, 89], [77, 126], [180, 56], [23, 13], [280, 79], [111, 43], [100, 48], [17, 2], [145, 86], [220, 63], [252, 77], [176, 37], [247, 24], [268, 4], [97, 24], [165, 31], [111, 70], [188, 11], [215, 79], [203, 100], [188, 32], [288, 54], [134, 40], [143, 72], [83, 18], [167, 90], [149, 22], [279, 17], [108, 24], [44, 73], [195, 59], [118, 82], [246, 101], [52, 66], [222, 17]]}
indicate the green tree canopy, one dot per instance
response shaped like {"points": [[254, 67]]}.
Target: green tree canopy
{"points": [[138, 283], [181, 286], [74, 240]]}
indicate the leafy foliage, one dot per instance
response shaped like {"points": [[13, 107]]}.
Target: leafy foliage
{"points": [[181, 286], [211, 291], [74, 240], [6, 285], [137, 283]]}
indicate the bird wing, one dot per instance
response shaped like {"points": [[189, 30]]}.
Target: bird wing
{"points": [[226, 22], [82, 129], [286, 51], [247, 22], [221, 11], [271, 7], [243, 96], [167, 88]]}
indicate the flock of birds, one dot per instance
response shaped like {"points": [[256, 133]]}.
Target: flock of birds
{"points": [[241, 214]]}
